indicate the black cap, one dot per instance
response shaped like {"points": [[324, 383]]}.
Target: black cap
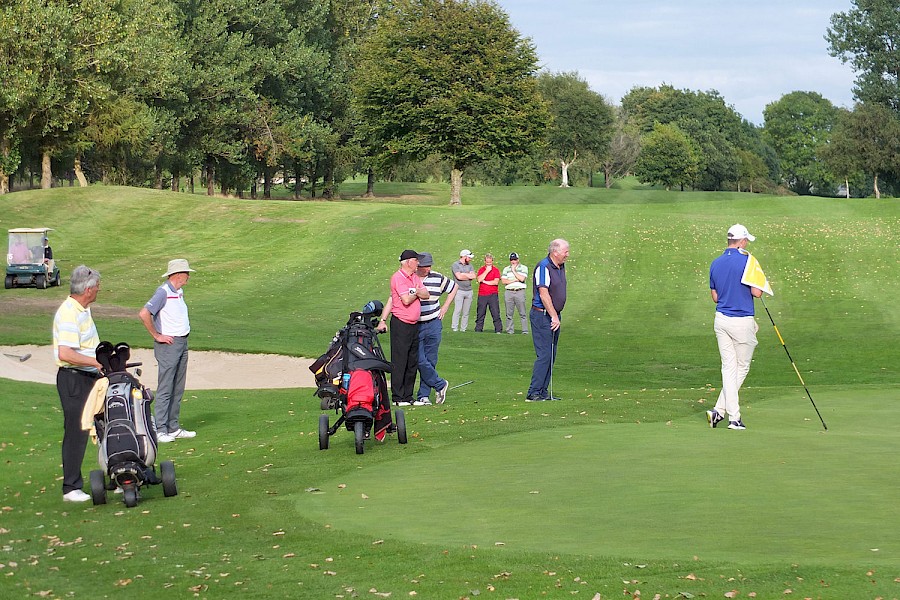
{"points": [[407, 254], [513, 256]]}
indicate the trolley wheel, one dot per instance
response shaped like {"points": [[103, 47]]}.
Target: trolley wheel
{"points": [[359, 434], [400, 419], [167, 473], [98, 487], [323, 432], [325, 404], [131, 495]]}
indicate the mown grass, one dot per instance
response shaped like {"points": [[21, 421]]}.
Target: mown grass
{"points": [[641, 496]]}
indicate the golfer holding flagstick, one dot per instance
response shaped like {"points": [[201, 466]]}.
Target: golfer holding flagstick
{"points": [[733, 289], [548, 300]]}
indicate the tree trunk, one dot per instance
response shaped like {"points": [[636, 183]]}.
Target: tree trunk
{"points": [[176, 182], [157, 177], [564, 172], [254, 187], [877, 191], [4, 176], [192, 181], [79, 174], [298, 181], [847, 187], [46, 172], [456, 176], [210, 178], [267, 183], [370, 184]]}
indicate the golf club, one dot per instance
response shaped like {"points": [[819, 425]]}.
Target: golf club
{"points": [[22, 358], [461, 384], [552, 360], [783, 345]]}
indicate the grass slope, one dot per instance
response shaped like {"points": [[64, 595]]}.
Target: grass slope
{"points": [[634, 492]]}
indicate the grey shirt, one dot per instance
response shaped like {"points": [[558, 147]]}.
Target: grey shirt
{"points": [[464, 284]]}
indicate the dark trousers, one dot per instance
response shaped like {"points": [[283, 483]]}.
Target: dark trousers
{"points": [[73, 388], [546, 342], [404, 359], [484, 303]]}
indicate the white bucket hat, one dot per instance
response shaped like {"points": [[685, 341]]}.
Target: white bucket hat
{"points": [[178, 265]]}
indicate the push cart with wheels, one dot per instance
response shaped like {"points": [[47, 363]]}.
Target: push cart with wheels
{"points": [[118, 415], [351, 380]]}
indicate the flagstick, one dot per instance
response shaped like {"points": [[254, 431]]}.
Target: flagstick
{"points": [[783, 345]]}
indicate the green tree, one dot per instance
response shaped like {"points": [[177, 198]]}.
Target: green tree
{"points": [[76, 59], [668, 157], [717, 131], [450, 77], [581, 119], [795, 126], [868, 37], [865, 140], [624, 149], [751, 170]]}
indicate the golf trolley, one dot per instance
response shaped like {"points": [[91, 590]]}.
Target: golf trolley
{"points": [[120, 408], [351, 380]]}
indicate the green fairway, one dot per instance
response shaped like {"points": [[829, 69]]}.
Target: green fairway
{"points": [[617, 489], [784, 491]]}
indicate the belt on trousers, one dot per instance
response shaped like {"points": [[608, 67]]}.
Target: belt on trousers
{"points": [[540, 310], [81, 372]]}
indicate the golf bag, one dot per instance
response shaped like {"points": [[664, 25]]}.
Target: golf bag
{"points": [[125, 432], [350, 375]]}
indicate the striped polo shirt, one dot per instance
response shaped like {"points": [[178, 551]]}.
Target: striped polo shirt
{"points": [[74, 327], [436, 284]]}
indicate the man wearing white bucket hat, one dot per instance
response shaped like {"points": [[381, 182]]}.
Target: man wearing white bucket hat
{"points": [[166, 318]]}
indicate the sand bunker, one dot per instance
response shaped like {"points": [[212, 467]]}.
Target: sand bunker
{"points": [[206, 370]]}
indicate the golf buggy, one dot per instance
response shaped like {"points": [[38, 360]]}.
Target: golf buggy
{"points": [[29, 259], [350, 379]]}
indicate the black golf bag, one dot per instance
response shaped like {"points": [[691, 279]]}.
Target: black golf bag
{"points": [[125, 432], [351, 379]]}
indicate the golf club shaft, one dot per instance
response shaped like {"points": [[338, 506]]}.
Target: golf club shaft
{"points": [[461, 384], [790, 358]]}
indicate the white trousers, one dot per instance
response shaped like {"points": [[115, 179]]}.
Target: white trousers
{"points": [[737, 340]]}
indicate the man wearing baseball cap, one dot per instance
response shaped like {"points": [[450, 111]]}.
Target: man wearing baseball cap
{"points": [[404, 306], [513, 278], [734, 324], [165, 316], [463, 274]]}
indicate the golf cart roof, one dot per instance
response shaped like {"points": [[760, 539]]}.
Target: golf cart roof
{"points": [[30, 230]]}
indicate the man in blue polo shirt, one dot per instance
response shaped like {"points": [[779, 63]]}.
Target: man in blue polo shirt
{"points": [[734, 324], [548, 300]]}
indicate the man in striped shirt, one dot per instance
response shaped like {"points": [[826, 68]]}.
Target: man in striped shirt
{"points": [[75, 340], [430, 326]]}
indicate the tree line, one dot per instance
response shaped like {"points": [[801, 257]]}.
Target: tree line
{"points": [[236, 95]]}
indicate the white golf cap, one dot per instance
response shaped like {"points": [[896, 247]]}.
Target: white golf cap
{"points": [[467, 253], [739, 232]]}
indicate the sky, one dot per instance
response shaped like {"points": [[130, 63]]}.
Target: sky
{"points": [[751, 51]]}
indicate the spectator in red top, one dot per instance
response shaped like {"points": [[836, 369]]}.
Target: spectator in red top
{"points": [[404, 306], [488, 278]]}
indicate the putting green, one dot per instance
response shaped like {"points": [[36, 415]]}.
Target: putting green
{"points": [[781, 490]]}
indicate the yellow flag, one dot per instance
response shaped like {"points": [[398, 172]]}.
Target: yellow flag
{"points": [[754, 276]]}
